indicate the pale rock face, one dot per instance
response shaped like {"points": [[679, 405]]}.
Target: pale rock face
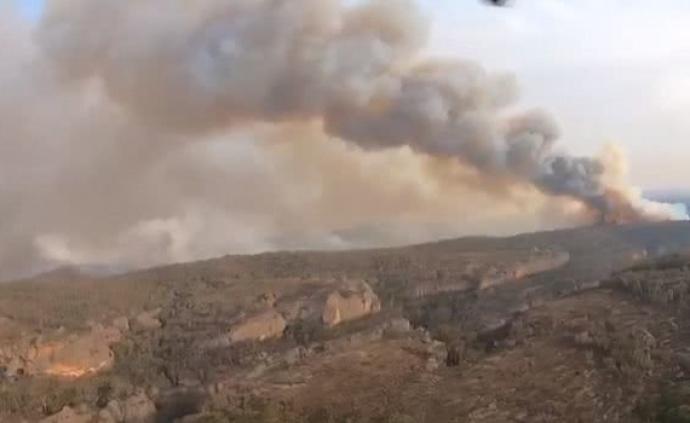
{"points": [[351, 301], [122, 323], [267, 300], [538, 263], [7, 326], [104, 416], [266, 325], [138, 409], [68, 415], [15, 367], [76, 356], [112, 413], [148, 320], [13, 356], [398, 326]]}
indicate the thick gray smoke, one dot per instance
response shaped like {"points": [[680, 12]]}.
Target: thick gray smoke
{"points": [[144, 131], [210, 64]]}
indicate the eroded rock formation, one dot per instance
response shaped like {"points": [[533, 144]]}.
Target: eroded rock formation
{"points": [[262, 326], [352, 300], [70, 356]]}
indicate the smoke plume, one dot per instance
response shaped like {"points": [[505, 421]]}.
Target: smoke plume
{"points": [[141, 132]]}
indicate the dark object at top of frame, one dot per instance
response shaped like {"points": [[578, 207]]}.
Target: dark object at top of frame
{"points": [[497, 2]]}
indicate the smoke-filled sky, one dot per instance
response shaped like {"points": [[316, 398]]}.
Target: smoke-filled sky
{"points": [[614, 70], [609, 70], [140, 132]]}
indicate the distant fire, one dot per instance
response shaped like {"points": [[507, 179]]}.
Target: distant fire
{"points": [[619, 209], [332, 110]]}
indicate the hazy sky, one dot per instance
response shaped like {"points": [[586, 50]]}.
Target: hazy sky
{"points": [[613, 70], [610, 71], [30, 8]]}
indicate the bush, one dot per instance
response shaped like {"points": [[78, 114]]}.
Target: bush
{"points": [[672, 406], [14, 400], [58, 399]]}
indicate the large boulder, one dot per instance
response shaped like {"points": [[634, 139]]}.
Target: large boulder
{"points": [[112, 413], [148, 320], [68, 415], [350, 301], [266, 325], [266, 300], [139, 409], [8, 327], [122, 323], [75, 356]]}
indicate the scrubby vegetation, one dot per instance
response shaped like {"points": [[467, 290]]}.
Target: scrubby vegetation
{"points": [[575, 344]]}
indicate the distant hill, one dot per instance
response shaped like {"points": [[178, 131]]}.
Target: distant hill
{"points": [[670, 196], [588, 324]]}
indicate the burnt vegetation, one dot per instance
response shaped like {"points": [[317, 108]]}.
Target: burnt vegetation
{"points": [[604, 334]]}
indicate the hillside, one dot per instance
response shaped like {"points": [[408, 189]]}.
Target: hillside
{"points": [[578, 325]]}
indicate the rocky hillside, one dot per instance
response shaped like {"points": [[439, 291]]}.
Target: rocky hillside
{"points": [[583, 325]]}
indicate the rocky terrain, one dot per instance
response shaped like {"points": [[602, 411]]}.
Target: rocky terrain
{"points": [[582, 325]]}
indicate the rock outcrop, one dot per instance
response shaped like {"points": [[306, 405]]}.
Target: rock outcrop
{"points": [[539, 262], [7, 327], [138, 409], [122, 323], [148, 320], [266, 300], [112, 413], [72, 356], [351, 301], [68, 415], [76, 356], [266, 325]]}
